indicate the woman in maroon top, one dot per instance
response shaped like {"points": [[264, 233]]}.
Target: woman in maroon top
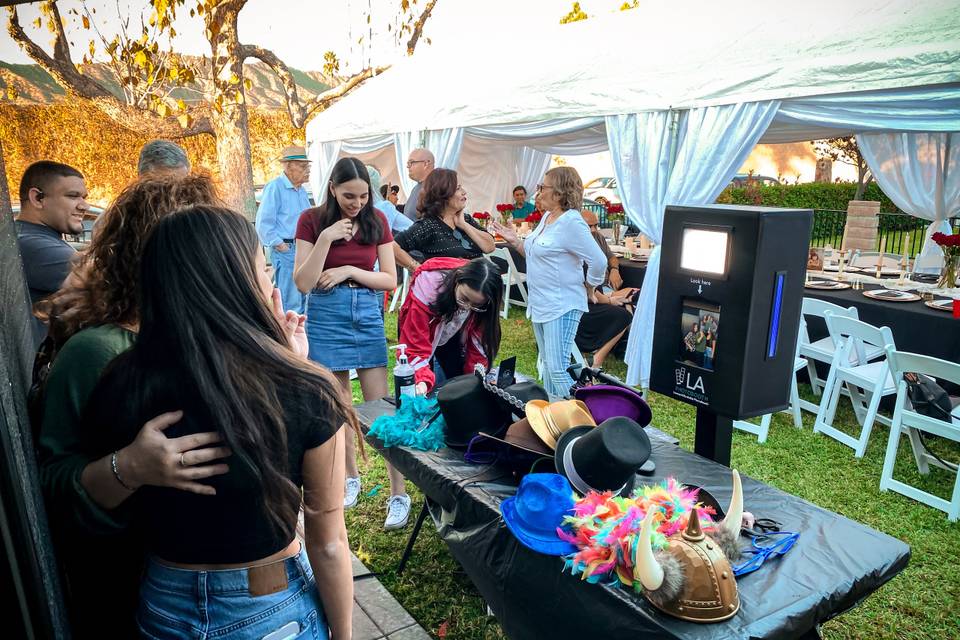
{"points": [[338, 244]]}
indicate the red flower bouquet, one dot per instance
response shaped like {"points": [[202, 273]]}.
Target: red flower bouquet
{"points": [[950, 244], [505, 208], [615, 209], [481, 215], [534, 217]]}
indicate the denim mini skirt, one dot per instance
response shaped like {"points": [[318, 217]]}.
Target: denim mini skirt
{"points": [[345, 328], [182, 604]]}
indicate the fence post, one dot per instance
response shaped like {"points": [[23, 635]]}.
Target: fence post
{"points": [[862, 223]]}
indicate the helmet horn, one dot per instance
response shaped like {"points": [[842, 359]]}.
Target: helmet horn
{"points": [[646, 568], [735, 513]]}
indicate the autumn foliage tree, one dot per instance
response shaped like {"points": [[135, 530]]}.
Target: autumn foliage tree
{"points": [[845, 150], [154, 79]]}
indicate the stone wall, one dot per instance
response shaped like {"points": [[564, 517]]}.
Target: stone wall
{"points": [[862, 221]]}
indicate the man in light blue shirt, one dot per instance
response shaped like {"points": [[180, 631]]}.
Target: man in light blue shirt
{"points": [[284, 199], [419, 165]]}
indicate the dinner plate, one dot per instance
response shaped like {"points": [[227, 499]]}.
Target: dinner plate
{"points": [[846, 268], [826, 285], [890, 295], [940, 305]]}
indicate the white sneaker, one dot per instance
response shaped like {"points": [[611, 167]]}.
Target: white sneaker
{"points": [[351, 492], [398, 512]]}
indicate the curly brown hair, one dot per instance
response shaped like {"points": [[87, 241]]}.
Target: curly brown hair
{"points": [[438, 188], [568, 187], [102, 287]]}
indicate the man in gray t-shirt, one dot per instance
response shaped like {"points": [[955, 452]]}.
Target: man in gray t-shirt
{"points": [[419, 166], [52, 203]]}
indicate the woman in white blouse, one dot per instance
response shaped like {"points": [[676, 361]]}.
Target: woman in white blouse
{"points": [[556, 252]]}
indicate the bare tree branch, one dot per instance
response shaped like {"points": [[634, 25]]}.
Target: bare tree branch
{"points": [[63, 70], [325, 99], [294, 108], [418, 27]]}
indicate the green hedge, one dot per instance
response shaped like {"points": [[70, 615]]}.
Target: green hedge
{"points": [[812, 195]]}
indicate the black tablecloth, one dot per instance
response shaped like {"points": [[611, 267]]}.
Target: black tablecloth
{"points": [[836, 563], [916, 327]]}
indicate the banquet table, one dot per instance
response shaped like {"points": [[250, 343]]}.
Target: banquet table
{"points": [[835, 565], [632, 271], [916, 328]]}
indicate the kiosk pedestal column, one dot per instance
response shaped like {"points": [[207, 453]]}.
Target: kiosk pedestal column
{"points": [[714, 436]]}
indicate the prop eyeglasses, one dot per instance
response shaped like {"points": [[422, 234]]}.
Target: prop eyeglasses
{"points": [[771, 544], [464, 242]]}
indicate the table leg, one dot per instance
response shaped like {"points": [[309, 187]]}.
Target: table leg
{"points": [[413, 537]]}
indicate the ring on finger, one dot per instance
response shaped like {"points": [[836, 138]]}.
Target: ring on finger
{"points": [[182, 461]]}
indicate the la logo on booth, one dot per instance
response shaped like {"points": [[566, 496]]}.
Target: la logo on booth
{"points": [[684, 378]]}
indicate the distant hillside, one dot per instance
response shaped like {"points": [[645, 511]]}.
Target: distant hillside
{"points": [[36, 86]]}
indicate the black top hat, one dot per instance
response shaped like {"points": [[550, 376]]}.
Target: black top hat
{"points": [[468, 409], [525, 392], [603, 458]]}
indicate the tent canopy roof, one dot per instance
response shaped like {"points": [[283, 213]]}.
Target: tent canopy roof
{"points": [[656, 57]]}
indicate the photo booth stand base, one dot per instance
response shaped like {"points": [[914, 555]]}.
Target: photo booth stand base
{"points": [[714, 436]]}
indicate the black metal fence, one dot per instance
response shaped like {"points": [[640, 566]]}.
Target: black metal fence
{"points": [[897, 228]]}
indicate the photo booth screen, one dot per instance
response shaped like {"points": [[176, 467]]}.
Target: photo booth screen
{"points": [[700, 326], [704, 250]]}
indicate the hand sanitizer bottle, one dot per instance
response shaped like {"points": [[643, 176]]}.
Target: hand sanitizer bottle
{"points": [[404, 383]]}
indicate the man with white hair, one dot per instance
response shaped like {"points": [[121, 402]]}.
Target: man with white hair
{"points": [[163, 156], [284, 199], [419, 165]]}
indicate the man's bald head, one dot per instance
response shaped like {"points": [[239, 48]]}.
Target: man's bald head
{"points": [[591, 219], [420, 164]]}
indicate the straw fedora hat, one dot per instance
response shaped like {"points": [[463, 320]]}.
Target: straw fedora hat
{"points": [[550, 420], [293, 152]]}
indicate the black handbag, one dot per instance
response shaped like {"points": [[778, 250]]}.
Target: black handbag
{"points": [[931, 400]]}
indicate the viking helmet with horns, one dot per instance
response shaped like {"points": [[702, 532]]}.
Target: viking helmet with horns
{"points": [[692, 578]]}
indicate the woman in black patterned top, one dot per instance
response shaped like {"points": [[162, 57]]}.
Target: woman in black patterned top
{"points": [[444, 229]]}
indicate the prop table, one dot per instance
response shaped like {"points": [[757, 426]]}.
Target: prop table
{"points": [[836, 563], [916, 328]]}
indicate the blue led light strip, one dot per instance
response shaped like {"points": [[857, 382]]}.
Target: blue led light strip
{"points": [[775, 315]]}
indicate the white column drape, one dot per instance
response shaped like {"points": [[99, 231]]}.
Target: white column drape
{"points": [[405, 142], [446, 145], [324, 155], [529, 166], [921, 174], [711, 144]]}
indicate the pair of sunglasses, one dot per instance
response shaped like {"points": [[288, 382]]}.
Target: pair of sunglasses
{"points": [[774, 543], [464, 242]]}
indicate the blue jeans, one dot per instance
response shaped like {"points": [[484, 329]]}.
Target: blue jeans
{"points": [[183, 604], [555, 342], [283, 263]]}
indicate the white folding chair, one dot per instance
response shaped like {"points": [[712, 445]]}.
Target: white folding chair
{"points": [[762, 429], [909, 422], [518, 279], [868, 260], [822, 350], [400, 293], [851, 338], [504, 254]]}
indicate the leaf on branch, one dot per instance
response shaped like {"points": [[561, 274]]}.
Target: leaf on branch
{"points": [[238, 97], [37, 23], [93, 49], [12, 93], [185, 120], [247, 84], [163, 109], [234, 79], [140, 59], [86, 21], [181, 104]]}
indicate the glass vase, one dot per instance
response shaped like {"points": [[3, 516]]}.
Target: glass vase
{"points": [[951, 265]]}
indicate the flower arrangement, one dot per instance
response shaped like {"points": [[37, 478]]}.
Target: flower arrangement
{"points": [[506, 213], [534, 218], [615, 210], [950, 244]]}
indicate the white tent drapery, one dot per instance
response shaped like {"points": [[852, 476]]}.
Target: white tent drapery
{"points": [[738, 78]]}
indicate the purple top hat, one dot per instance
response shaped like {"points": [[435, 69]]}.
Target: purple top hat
{"points": [[607, 401]]}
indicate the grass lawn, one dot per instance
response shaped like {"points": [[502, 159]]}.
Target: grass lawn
{"points": [[922, 602]]}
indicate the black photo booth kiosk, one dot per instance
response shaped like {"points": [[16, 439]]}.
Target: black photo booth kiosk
{"points": [[728, 311]]}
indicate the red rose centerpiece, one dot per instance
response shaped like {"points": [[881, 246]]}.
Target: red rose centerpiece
{"points": [[482, 217], [615, 215], [506, 213], [534, 218], [950, 244]]}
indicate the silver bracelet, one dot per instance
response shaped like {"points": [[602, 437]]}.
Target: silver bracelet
{"points": [[116, 472]]}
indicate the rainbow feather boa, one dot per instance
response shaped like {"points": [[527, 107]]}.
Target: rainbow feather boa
{"points": [[605, 529]]}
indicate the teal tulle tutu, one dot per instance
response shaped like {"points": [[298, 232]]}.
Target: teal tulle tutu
{"points": [[411, 425]]}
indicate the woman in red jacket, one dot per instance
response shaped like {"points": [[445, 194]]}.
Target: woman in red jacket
{"points": [[449, 320]]}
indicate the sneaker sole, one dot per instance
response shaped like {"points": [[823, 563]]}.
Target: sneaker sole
{"points": [[352, 504], [399, 525]]}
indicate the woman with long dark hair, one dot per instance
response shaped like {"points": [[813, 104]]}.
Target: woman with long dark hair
{"points": [[338, 244], [450, 320], [444, 229], [231, 561], [94, 318]]}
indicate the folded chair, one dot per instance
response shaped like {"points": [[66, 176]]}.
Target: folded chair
{"points": [[761, 429], [908, 422], [867, 382], [400, 293]]}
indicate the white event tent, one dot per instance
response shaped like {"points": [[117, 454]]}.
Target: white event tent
{"points": [[679, 94]]}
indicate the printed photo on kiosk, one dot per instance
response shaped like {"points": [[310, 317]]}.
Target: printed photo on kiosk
{"points": [[700, 325]]}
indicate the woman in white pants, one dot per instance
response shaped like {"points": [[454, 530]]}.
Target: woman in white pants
{"points": [[556, 252]]}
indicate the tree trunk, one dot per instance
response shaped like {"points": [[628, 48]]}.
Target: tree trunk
{"points": [[229, 121]]}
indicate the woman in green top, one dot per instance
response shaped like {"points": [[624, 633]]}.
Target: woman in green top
{"points": [[95, 318]]}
